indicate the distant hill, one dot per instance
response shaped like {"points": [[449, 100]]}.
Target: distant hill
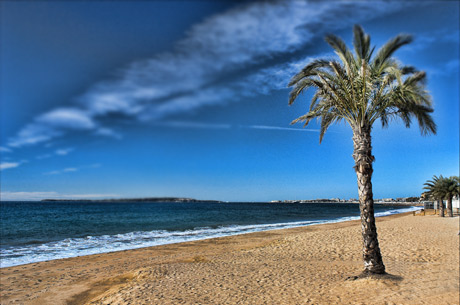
{"points": [[147, 199]]}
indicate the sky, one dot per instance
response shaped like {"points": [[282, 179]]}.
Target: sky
{"points": [[109, 99]]}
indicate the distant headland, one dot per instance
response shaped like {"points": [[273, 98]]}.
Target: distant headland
{"points": [[146, 199]]}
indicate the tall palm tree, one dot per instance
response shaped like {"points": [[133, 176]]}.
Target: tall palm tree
{"points": [[452, 189], [435, 189], [361, 89]]}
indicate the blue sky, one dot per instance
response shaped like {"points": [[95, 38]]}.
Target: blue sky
{"points": [[189, 99]]}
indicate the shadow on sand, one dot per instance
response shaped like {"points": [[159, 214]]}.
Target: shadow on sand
{"points": [[385, 276]]}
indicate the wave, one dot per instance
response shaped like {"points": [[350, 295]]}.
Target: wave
{"points": [[72, 247]]}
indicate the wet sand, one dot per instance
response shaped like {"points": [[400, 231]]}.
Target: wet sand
{"points": [[308, 265]]}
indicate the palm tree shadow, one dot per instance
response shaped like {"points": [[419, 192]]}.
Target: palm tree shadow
{"points": [[385, 276]]}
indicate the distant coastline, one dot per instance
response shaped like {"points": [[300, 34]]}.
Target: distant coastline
{"points": [[377, 201], [146, 199], [192, 200]]}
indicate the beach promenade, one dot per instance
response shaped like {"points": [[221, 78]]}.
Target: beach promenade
{"points": [[308, 265]]}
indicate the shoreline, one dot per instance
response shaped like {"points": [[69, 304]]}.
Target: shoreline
{"points": [[224, 231], [117, 275]]}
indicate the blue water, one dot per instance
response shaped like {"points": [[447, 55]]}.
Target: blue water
{"points": [[39, 231]]}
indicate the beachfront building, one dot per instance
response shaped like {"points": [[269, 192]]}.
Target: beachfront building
{"points": [[434, 205]]}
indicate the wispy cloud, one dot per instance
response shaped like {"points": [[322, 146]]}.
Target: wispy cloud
{"points": [[11, 164], [251, 49], [57, 152], [68, 118], [33, 196], [72, 169], [33, 133], [108, 132], [199, 125], [53, 124], [44, 156], [64, 151], [4, 149], [453, 65], [281, 128], [62, 171], [429, 39], [444, 69], [6, 165]]}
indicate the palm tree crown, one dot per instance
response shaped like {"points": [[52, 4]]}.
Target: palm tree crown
{"points": [[440, 188], [452, 186], [434, 188], [361, 89]]}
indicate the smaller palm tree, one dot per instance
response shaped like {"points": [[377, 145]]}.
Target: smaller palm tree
{"points": [[451, 188], [435, 190]]}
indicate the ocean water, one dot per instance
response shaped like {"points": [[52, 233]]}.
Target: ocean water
{"points": [[39, 231]]}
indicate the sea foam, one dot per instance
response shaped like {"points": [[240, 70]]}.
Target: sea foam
{"points": [[72, 247]]}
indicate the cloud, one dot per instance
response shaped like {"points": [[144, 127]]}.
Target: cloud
{"points": [[199, 125], [263, 81], [67, 118], [6, 165], [445, 68], [11, 164], [281, 128], [64, 151], [108, 132], [452, 65], [72, 169], [58, 152], [33, 196], [52, 124], [239, 53], [208, 66], [69, 169], [5, 149], [6, 196], [33, 133], [44, 156], [431, 38], [56, 172], [62, 171]]}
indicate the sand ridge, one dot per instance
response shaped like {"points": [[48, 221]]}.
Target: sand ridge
{"points": [[307, 265]]}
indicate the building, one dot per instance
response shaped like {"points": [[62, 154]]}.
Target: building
{"points": [[434, 205]]}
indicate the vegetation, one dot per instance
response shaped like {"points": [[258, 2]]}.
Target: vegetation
{"points": [[441, 188], [435, 191], [360, 90], [452, 189]]}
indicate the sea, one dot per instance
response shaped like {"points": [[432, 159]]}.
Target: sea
{"points": [[40, 231]]}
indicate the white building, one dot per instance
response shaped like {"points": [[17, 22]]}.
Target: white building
{"points": [[455, 204]]}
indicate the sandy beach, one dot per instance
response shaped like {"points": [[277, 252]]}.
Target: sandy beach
{"points": [[308, 265]]}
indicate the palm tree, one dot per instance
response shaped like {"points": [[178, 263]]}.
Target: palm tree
{"points": [[452, 189], [436, 191], [361, 89]]}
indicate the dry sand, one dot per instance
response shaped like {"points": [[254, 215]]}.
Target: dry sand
{"points": [[306, 265]]}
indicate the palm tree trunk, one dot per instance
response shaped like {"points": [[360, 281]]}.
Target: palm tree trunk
{"points": [[362, 154], [441, 208], [449, 207]]}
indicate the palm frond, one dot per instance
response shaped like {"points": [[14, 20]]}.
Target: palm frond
{"points": [[342, 51], [387, 50], [308, 70], [361, 42]]}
